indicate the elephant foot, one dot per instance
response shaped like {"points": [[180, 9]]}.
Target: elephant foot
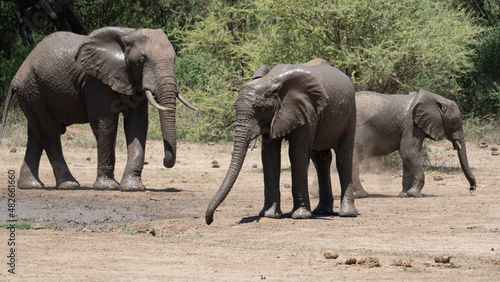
{"points": [[106, 183], [272, 211], [360, 193], [68, 185], [412, 193], [132, 184], [324, 209], [30, 182], [301, 213], [348, 210]]}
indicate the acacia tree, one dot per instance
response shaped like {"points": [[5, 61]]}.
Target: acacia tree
{"points": [[387, 46]]}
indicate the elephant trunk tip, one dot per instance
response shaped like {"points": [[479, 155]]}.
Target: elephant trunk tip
{"points": [[168, 163], [209, 218], [472, 187]]}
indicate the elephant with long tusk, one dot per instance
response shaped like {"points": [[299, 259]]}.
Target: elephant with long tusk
{"points": [[70, 78]]}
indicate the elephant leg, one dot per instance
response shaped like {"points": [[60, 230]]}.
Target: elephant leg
{"points": [[408, 177], [413, 171], [344, 159], [28, 176], [103, 108], [358, 190], [136, 130], [271, 164], [105, 130], [299, 153], [322, 161], [64, 178], [48, 132]]}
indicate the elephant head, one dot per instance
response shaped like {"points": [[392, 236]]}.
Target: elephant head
{"points": [[132, 62], [440, 118], [274, 103]]}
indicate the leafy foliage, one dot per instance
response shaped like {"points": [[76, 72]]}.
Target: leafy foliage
{"points": [[164, 14], [384, 46], [10, 61], [481, 89], [447, 47]]}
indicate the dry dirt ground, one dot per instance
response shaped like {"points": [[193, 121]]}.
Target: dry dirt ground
{"points": [[160, 234]]}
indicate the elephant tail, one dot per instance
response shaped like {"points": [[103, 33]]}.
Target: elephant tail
{"points": [[5, 110]]}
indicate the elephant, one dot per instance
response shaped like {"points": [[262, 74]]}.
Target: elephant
{"points": [[312, 106], [73, 79], [386, 123]]}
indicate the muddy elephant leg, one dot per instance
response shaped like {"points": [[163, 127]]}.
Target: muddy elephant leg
{"points": [[64, 178], [28, 176], [103, 108], [413, 171], [105, 130], [322, 161], [407, 180], [358, 190], [271, 164], [413, 180], [136, 130], [299, 153], [48, 135], [344, 159]]}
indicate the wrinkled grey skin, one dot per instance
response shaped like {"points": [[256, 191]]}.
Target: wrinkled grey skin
{"points": [[312, 106], [386, 123], [70, 78]]}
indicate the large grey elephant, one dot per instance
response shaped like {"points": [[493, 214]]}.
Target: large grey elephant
{"points": [[70, 78], [386, 123], [312, 106]]}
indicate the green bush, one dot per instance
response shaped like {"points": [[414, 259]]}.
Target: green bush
{"points": [[387, 46], [208, 86], [384, 46], [481, 89]]}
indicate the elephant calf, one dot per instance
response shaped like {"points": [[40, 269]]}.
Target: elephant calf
{"points": [[386, 123], [70, 78]]}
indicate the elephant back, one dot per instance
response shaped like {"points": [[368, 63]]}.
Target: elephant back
{"points": [[53, 59]]}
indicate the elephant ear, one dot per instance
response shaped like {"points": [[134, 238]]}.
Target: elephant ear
{"points": [[261, 71], [428, 111], [102, 55], [302, 96]]}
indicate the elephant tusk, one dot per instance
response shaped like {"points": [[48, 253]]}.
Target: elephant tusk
{"points": [[456, 144], [254, 144], [185, 102], [151, 100]]}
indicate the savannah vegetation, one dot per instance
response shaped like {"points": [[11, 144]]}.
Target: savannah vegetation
{"points": [[451, 48]]}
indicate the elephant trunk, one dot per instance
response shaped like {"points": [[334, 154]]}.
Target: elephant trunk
{"points": [[242, 138], [459, 145], [166, 97]]}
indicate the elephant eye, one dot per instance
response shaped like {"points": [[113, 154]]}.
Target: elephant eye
{"points": [[142, 59]]}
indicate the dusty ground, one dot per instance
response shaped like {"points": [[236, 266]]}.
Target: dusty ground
{"points": [[161, 233]]}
